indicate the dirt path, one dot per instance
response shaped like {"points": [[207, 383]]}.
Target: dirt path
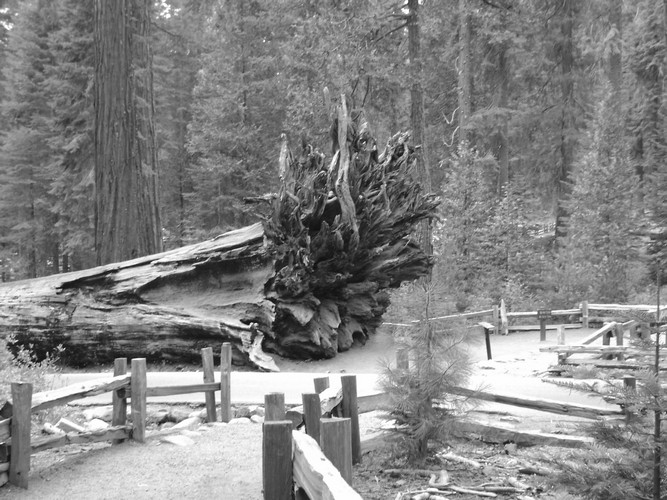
{"points": [[222, 463]]}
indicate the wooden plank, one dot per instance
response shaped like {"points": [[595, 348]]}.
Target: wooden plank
{"points": [[335, 441], [119, 397], [625, 307], [226, 382], [504, 322], [5, 426], [277, 460], [599, 333], [474, 314], [530, 328], [59, 397], [546, 405], [19, 462], [172, 390], [312, 414], [372, 402], [491, 433], [533, 314], [315, 474], [320, 384], [116, 433], [611, 363], [329, 399], [274, 406], [209, 377], [350, 409], [586, 349], [584, 313], [138, 402]]}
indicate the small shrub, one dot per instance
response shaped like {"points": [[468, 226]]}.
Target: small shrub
{"points": [[22, 367], [420, 397]]}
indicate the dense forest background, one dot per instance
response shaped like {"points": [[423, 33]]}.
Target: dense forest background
{"points": [[541, 124]]}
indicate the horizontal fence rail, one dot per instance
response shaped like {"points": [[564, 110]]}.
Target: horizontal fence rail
{"points": [[16, 445]]}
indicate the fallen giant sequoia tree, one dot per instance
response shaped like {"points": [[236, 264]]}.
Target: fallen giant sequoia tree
{"points": [[305, 283]]}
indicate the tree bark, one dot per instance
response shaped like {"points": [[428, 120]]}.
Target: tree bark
{"points": [[567, 125], [501, 140], [127, 219], [417, 111], [464, 74], [306, 283]]}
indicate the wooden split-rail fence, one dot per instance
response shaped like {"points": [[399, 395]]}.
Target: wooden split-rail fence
{"points": [[606, 355], [315, 462], [498, 320], [319, 467], [16, 445], [319, 461]]}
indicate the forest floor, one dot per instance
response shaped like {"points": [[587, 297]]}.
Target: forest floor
{"points": [[224, 460]]}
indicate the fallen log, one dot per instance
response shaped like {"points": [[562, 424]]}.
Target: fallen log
{"points": [[307, 282]]}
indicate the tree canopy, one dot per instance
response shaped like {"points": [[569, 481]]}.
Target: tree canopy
{"points": [[540, 124]]}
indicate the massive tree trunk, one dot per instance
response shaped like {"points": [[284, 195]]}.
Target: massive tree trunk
{"points": [[127, 219], [306, 283]]}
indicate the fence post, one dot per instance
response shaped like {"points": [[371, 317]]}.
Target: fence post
{"points": [[336, 444], [312, 412], [584, 313], [487, 341], [560, 330], [630, 382], [274, 407], [119, 398], [321, 384], [618, 331], [209, 377], [504, 323], [496, 319], [350, 407], [277, 473], [19, 462], [138, 399], [226, 382]]}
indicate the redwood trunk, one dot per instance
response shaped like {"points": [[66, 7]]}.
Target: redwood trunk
{"points": [[127, 220]]}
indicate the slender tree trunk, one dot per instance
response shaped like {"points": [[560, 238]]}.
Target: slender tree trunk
{"points": [[567, 125], [417, 113], [464, 74], [127, 219], [501, 140]]}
